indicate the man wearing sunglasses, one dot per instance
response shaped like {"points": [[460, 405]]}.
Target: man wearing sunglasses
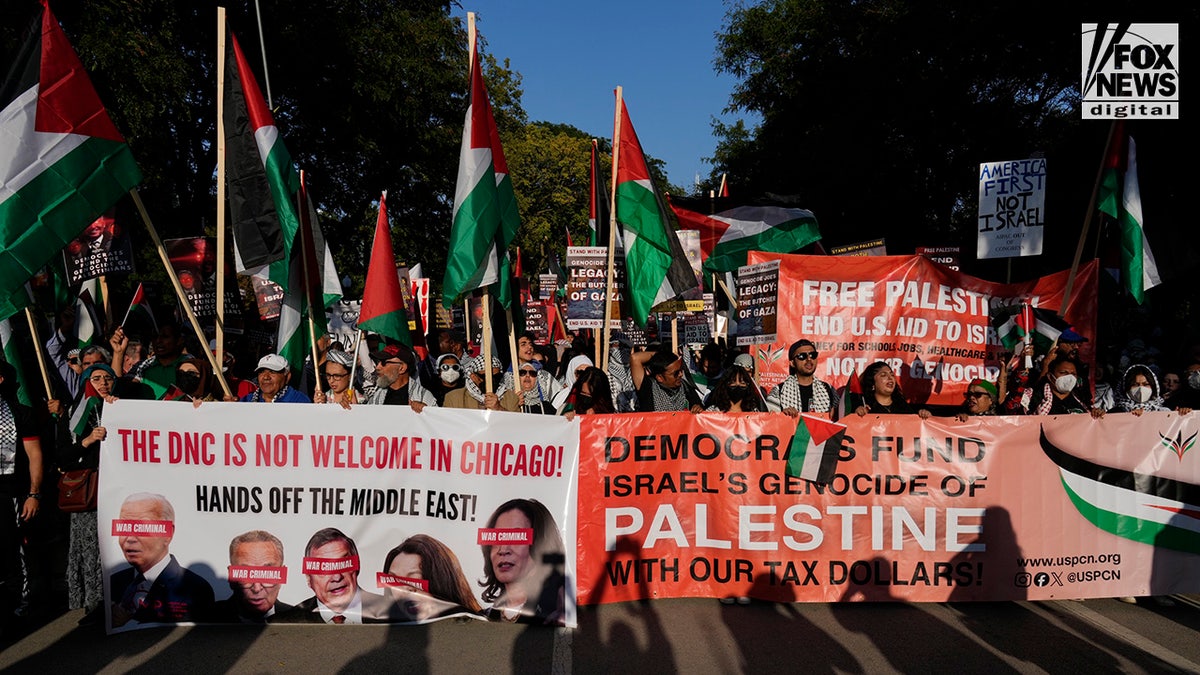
{"points": [[394, 384], [802, 391]]}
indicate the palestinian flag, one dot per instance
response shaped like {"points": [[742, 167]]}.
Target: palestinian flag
{"points": [[1016, 324], [598, 218], [1140, 507], [262, 180], [726, 237], [852, 394], [382, 308], [813, 454], [62, 161], [312, 283], [1120, 197], [657, 269], [485, 208], [139, 306], [12, 354], [88, 328], [89, 408], [724, 191]]}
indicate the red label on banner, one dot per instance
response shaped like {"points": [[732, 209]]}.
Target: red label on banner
{"points": [[517, 536], [143, 528], [330, 565], [384, 580], [258, 575]]}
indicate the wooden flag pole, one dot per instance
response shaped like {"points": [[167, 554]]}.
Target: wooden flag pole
{"points": [[41, 356], [220, 320], [354, 366], [612, 230], [105, 306], [485, 337], [187, 307], [307, 240], [1087, 220]]}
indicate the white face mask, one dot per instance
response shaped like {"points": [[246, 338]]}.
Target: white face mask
{"points": [[450, 376], [1140, 394], [1194, 379], [1065, 383]]}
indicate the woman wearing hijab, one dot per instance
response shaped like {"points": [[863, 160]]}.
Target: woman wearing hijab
{"points": [[575, 368], [533, 399], [1139, 393], [449, 371]]}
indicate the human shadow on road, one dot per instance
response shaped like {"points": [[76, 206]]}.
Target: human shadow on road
{"points": [[771, 633]]}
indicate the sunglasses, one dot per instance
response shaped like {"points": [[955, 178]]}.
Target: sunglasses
{"points": [[804, 356], [528, 372], [977, 394], [446, 367]]}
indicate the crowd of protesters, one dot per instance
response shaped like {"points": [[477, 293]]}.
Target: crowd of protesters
{"points": [[566, 378]]}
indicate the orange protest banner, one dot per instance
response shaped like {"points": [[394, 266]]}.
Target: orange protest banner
{"points": [[996, 508]]}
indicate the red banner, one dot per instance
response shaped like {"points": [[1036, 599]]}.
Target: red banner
{"points": [[927, 321], [997, 508]]}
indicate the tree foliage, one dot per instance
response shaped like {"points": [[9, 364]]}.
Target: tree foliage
{"points": [[878, 113]]}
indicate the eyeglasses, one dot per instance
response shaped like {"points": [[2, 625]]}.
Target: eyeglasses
{"points": [[337, 376], [977, 394], [101, 378], [673, 373], [449, 366], [528, 372], [391, 362], [804, 356]]}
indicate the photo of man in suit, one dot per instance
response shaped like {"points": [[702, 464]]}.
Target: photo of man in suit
{"points": [[155, 588], [253, 601], [331, 567]]}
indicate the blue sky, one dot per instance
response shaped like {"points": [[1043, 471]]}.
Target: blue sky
{"points": [[572, 55]]}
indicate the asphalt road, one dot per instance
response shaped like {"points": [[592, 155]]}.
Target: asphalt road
{"points": [[693, 636]]}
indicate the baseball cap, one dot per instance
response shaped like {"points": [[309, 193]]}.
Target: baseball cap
{"points": [[273, 362], [1069, 335], [396, 351]]}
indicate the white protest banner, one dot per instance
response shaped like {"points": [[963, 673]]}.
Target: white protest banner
{"points": [[383, 514], [1012, 208]]}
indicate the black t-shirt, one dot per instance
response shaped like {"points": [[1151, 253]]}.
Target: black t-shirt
{"points": [[396, 396], [17, 482]]}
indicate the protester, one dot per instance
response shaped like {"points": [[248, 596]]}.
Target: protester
{"points": [[547, 385], [1188, 395], [20, 492], [533, 399], [449, 377], [159, 369], [337, 367], [273, 372], [590, 395], [1172, 384], [394, 384], [659, 380], [981, 400], [127, 352], [881, 394], [155, 588], [253, 601], [59, 348], [193, 382], [433, 581], [524, 582], [802, 391], [85, 578], [472, 395], [1056, 393], [736, 393], [337, 597], [1139, 393], [575, 367]]}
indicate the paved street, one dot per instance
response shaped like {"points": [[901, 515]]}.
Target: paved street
{"points": [[693, 636]]}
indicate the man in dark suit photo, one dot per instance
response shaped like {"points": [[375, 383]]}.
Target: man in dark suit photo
{"points": [[155, 588], [331, 566], [254, 600]]}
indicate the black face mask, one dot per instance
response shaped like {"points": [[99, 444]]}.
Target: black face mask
{"points": [[737, 393], [187, 381], [583, 402]]}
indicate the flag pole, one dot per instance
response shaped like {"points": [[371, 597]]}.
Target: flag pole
{"points": [[354, 364], [219, 324], [1087, 219], [41, 356], [485, 332], [612, 228], [187, 306], [307, 242], [102, 282]]}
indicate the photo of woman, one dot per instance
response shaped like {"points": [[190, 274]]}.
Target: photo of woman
{"points": [[447, 591], [525, 583]]}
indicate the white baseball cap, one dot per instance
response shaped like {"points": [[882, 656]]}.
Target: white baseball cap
{"points": [[273, 362]]}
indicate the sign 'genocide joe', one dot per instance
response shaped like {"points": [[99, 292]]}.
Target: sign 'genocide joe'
{"points": [[1130, 70]]}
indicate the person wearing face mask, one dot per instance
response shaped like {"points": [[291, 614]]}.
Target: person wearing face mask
{"points": [[449, 376], [735, 393], [590, 395], [1056, 394], [1139, 393], [193, 381]]}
